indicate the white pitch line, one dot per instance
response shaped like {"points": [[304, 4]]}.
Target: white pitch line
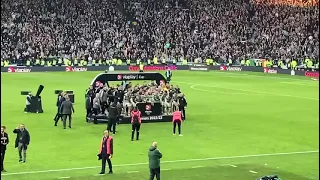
{"points": [[64, 177], [129, 172], [253, 172], [299, 84], [165, 169], [235, 74], [196, 167], [250, 91], [233, 165], [223, 92], [164, 162]]}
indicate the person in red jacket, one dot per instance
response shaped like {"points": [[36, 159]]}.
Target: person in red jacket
{"points": [[177, 120], [106, 152], [136, 122]]}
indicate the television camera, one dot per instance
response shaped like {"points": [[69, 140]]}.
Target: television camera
{"points": [[34, 101]]}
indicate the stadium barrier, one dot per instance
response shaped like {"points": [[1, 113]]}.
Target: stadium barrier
{"points": [[193, 67], [272, 70], [24, 69]]}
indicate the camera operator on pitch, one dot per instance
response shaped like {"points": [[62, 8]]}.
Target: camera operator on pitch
{"points": [[28, 103]]}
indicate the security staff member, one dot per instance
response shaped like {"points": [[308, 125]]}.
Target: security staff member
{"points": [[60, 99], [168, 75], [177, 120], [22, 142], [154, 161], [113, 117], [106, 152], [66, 110], [141, 66], [182, 105], [4, 143], [136, 122]]}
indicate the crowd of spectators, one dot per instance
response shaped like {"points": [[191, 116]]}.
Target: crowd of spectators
{"points": [[170, 29]]}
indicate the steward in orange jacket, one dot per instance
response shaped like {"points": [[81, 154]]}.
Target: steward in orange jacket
{"points": [[106, 152]]}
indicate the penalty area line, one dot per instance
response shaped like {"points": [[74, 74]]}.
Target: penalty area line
{"points": [[244, 91], [165, 162]]}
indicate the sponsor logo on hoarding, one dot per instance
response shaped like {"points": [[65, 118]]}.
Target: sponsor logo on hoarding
{"points": [[119, 77], [199, 65], [75, 69], [199, 68], [130, 77], [270, 71], [234, 68], [150, 118], [292, 73], [148, 109], [153, 68], [223, 68], [18, 70], [311, 74]]}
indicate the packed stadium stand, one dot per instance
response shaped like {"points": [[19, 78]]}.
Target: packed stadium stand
{"points": [[142, 29]]}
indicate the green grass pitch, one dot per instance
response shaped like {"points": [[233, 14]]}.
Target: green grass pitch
{"points": [[240, 126]]}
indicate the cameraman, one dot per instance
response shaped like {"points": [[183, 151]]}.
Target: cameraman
{"points": [[28, 103]]}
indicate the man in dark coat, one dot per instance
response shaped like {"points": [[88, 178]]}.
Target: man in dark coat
{"points": [[22, 142], [60, 100], [4, 143], [88, 107], [154, 161], [182, 105], [113, 117], [66, 110]]}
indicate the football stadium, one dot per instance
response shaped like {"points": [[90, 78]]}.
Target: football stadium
{"points": [[244, 76]]}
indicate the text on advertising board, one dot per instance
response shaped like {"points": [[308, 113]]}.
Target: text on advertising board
{"points": [[199, 68], [150, 118], [18, 70], [311, 74], [75, 69], [225, 68], [130, 77], [270, 71], [153, 68]]}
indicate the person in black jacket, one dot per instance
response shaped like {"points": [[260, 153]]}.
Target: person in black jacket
{"points": [[182, 105], [113, 117], [61, 98], [4, 142], [22, 142], [88, 107]]}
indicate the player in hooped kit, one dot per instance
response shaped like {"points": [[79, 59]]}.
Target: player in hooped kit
{"points": [[136, 122]]}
